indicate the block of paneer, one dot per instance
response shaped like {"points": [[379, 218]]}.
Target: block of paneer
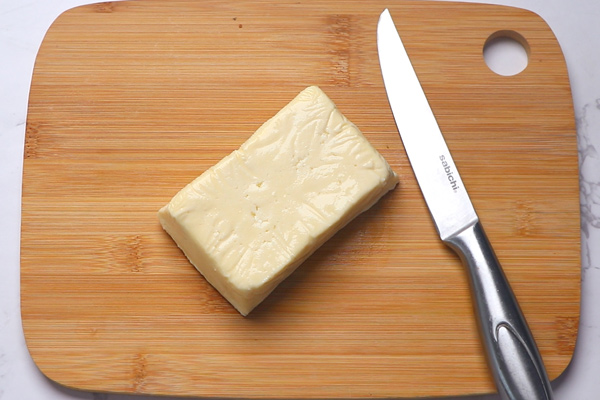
{"points": [[250, 220]]}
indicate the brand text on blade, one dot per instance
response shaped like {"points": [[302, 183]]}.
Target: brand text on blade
{"points": [[449, 173]]}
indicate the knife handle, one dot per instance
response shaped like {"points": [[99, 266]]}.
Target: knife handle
{"points": [[513, 356]]}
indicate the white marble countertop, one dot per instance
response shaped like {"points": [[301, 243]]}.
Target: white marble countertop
{"points": [[23, 24]]}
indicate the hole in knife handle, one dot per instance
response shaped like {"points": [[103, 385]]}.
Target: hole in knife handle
{"points": [[506, 52]]}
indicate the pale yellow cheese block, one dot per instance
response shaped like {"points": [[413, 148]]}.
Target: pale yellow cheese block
{"points": [[250, 220]]}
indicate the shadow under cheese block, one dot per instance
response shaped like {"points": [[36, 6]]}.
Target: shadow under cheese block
{"points": [[250, 220]]}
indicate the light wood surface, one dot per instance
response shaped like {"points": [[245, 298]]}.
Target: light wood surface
{"points": [[132, 100]]}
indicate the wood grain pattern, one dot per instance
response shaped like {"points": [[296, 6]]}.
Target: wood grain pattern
{"points": [[132, 100]]}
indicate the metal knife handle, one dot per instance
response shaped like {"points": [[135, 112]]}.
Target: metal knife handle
{"points": [[512, 353]]}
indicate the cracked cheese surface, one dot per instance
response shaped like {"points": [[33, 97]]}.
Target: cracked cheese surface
{"points": [[248, 222]]}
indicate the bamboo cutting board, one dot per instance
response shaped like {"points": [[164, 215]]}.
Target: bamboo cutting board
{"points": [[132, 100]]}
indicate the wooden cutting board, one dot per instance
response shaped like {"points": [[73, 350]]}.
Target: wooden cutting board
{"points": [[132, 100]]}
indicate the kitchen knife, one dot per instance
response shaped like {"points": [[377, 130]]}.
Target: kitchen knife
{"points": [[513, 356]]}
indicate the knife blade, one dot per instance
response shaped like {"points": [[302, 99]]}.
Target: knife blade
{"points": [[513, 356]]}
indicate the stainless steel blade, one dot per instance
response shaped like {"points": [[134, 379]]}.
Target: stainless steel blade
{"points": [[434, 168]]}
